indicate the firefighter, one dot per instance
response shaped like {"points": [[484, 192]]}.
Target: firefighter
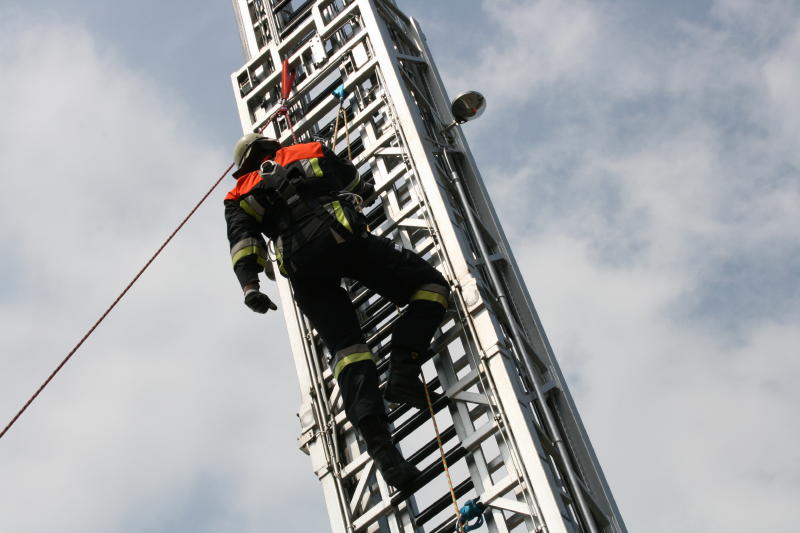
{"points": [[306, 199]]}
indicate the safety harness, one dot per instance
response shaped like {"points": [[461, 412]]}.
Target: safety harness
{"points": [[297, 213]]}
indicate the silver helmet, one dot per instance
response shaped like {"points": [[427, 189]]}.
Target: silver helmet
{"points": [[245, 145]]}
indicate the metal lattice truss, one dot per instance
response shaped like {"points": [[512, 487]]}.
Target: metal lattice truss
{"points": [[510, 430]]}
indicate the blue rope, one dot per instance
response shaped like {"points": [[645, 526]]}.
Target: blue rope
{"points": [[472, 510]]}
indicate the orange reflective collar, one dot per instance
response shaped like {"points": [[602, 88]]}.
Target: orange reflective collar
{"points": [[290, 154], [244, 185], [284, 157]]}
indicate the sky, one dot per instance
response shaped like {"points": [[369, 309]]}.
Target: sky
{"points": [[642, 157]]}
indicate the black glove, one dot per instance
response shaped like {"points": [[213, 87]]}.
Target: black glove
{"points": [[258, 301], [367, 193]]}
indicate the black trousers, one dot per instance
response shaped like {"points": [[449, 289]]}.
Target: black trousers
{"points": [[315, 271]]}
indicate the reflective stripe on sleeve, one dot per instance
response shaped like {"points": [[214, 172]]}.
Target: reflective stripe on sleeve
{"points": [[249, 246], [432, 292], [251, 206], [348, 356]]}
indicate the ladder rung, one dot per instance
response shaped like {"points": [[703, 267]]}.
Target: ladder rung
{"points": [[378, 316], [429, 474], [436, 507], [432, 446]]}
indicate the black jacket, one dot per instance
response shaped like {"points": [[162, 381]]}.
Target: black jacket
{"points": [[319, 175]]}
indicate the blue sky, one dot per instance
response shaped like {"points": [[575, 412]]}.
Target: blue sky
{"points": [[642, 157]]}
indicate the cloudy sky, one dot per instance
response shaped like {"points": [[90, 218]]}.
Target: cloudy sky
{"points": [[644, 160]]}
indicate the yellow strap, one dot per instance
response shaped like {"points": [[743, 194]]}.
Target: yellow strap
{"points": [[349, 360], [315, 167], [338, 212], [279, 259], [441, 450]]}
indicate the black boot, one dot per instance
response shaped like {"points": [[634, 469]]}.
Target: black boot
{"points": [[404, 384], [396, 471]]}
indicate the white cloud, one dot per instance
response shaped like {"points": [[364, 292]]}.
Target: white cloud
{"points": [[649, 186], [170, 413], [676, 413]]}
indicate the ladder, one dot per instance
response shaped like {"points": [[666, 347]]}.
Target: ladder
{"points": [[510, 429]]}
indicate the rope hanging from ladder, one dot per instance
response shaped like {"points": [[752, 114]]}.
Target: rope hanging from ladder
{"points": [[287, 80], [473, 509], [341, 94]]}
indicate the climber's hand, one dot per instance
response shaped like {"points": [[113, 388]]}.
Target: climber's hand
{"points": [[368, 193], [258, 301]]}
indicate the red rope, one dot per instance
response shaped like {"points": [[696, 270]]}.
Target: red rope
{"points": [[91, 330], [289, 122]]}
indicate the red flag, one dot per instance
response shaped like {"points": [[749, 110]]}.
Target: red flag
{"points": [[287, 80]]}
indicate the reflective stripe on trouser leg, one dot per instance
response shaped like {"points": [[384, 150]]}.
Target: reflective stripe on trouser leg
{"points": [[348, 356], [415, 328], [432, 292], [357, 375]]}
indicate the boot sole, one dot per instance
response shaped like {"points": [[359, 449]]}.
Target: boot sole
{"points": [[401, 476], [414, 400]]}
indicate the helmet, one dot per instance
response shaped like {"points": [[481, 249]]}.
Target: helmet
{"points": [[244, 146]]}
